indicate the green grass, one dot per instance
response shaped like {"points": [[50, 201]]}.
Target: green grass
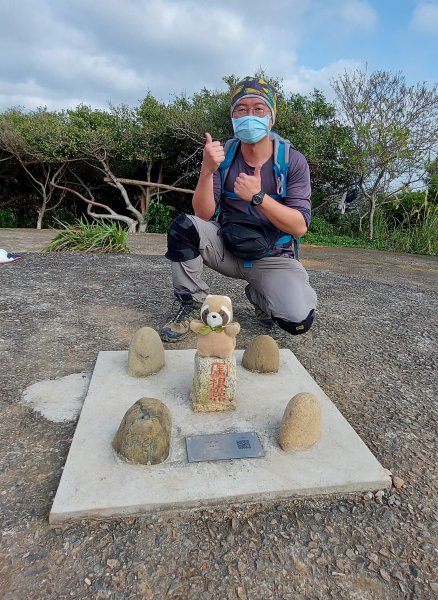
{"points": [[418, 236], [422, 237], [411, 243], [82, 236], [343, 240]]}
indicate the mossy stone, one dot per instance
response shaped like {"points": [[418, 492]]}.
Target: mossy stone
{"points": [[143, 436]]}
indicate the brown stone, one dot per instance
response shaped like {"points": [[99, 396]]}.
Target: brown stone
{"points": [[146, 353], [397, 482], [144, 433], [301, 423], [262, 355]]}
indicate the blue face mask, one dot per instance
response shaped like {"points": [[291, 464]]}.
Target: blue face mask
{"points": [[251, 129]]}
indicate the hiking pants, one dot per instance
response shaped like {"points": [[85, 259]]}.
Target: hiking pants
{"points": [[279, 285]]}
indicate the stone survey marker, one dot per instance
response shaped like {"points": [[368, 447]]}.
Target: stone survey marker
{"points": [[214, 384], [97, 483], [214, 380]]}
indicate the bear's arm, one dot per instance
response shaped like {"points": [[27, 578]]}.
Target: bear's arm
{"points": [[195, 325], [232, 329]]}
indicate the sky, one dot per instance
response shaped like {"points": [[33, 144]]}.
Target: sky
{"points": [[61, 53]]}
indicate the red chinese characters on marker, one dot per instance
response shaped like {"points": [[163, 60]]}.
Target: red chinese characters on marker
{"points": [[218, 376]]}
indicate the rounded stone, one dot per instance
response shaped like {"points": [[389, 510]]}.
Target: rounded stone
{"points": [[397, 482], [146, 353], [301, 423], [143, 436], [262, 355]]}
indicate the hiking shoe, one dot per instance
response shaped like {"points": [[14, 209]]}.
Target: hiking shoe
{"points": [[177, 328], [262, 317]]}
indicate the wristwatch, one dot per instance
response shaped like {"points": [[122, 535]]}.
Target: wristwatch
{"points": [[257, 199]]}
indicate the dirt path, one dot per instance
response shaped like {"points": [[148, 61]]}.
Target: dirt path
{"points": [[374, 265], [373, 349]]}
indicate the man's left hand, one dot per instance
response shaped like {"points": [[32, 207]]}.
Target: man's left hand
{"points": [[246, 186]]}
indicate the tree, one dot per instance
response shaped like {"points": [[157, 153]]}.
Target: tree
{"points": [[159, 148], [124, 141], [394, 128], [311, 123], [205, 111], [98, 139], [37, 142], [431, 180]]}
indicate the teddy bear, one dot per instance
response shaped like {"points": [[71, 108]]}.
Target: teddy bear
{"points": [[216, 332]]}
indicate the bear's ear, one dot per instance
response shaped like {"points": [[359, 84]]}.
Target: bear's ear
{"points": [[209, 296], [226, 298]]}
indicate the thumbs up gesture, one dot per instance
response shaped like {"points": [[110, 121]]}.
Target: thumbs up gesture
{"points": [[246, 186], [212, 155]]}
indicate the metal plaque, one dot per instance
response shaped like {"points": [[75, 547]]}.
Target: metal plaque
{"points": [[223, 446]]}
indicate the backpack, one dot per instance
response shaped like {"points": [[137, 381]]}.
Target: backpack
{"points": [[244, 235]]}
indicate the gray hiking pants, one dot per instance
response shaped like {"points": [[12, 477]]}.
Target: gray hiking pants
{"points": [[279, 285]]}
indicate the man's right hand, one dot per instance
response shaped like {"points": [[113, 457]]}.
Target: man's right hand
{"points": [[212, 155]]}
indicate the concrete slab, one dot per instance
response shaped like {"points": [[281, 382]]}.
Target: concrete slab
{"points": [[96, 483]]}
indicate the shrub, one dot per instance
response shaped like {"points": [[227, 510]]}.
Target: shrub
{"points": [[159, 217], [83, 236], [7, 218], [406, 207], [66, 213], [320, 226], [422, 237]]}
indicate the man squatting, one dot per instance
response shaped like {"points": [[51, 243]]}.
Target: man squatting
{"points": [[278, 285]]}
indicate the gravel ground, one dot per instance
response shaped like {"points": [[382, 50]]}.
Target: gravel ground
{"points": [[373, 349]]}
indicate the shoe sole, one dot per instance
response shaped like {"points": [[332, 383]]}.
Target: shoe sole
{"points": [[170, 339], [266, 324]]}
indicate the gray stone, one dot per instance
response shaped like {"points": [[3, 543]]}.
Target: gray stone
{"points": [[301, 423], [214, 384], [146, 353], [144, 433], [262, 355]]}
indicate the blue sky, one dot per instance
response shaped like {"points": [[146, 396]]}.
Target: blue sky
{"points": [[390, 34], [59, 53]]}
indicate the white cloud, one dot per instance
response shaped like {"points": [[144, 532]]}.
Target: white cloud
{"points": [[64, 52], [359, 13], [304, 80], [117, 50], [425, 18], [30, 95]]}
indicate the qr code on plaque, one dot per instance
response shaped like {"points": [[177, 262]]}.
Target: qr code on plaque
{"points": [[243, 444]]}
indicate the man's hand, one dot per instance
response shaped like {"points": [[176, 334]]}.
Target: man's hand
{"points": [[212, 155], [246, 186]]}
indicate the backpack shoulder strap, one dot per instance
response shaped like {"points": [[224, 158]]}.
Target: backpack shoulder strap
{"points": [[282, 149], [281, 161], [230, 149]]}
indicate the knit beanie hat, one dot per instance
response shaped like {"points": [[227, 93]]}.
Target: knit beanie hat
{"points": [[253, 87]]}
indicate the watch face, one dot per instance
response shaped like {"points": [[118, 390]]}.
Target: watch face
{"points": [[257, 199]]}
